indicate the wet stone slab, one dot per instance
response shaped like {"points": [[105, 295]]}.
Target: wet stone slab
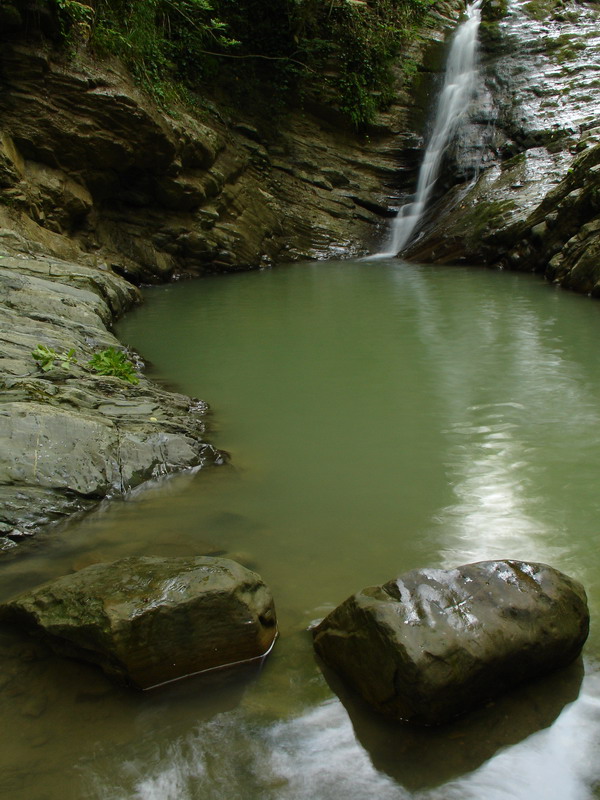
{"points": [[69, 437]]}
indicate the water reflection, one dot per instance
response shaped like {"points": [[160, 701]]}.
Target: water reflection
{"points": [[494, 514], [318, 755], [516, 405], [59, 715], [381, 418], [420, 758], [556, 763]]}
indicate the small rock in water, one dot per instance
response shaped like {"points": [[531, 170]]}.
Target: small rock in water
{"points": [[148, 620], [434, 643]]}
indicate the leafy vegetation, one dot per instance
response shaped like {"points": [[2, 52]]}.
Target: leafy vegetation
{"points": [[113, 362], [285, 48], [46, 357], [367, 41], [110, 362]]}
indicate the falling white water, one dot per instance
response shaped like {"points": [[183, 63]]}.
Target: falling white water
{"points": [[453, 104]]}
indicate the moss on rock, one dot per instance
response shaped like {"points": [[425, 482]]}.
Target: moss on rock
{"points": [[146, 621]]}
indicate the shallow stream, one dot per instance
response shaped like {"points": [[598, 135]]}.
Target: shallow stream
{"points": [[380, 416]]}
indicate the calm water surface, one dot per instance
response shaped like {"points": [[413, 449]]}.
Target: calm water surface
{"points": [[380, 416]]}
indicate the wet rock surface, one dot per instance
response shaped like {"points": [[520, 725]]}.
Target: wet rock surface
{"points": [[69, 437], [87, 156], [534, 123], [433, 644], [146, 621], [561, 237]]}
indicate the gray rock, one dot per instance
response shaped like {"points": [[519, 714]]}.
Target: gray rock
{"points": [[528, 144], [433, 643], [68, 436], [148, 620]]}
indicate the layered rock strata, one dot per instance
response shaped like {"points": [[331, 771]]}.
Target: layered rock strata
{"points": [[68, 436], [84, 154], [528, 196]]}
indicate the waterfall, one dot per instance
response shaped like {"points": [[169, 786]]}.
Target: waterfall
{"points": [[453, 104]]}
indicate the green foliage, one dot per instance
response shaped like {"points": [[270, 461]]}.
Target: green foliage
{"points": [[46, 356], [75, 19], [277, 48], [74, 12], [369, 38], [542, 9], [160, 40], [494, 10], [106, 362], [115, 363], [340, 50]]}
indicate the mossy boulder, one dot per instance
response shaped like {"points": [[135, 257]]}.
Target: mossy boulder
{"points": [[146, 621], [492, 10], [434, 643]]}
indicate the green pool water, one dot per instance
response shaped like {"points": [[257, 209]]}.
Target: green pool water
{"points": [[379, 416]]}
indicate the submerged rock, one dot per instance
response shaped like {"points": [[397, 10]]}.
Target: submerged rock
{"points": [[433, 643], [148, 620]]}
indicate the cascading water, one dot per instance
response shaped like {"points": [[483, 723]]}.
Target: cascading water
{"points": [[456, 95]]}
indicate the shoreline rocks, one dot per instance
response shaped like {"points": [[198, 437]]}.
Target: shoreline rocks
{"points": [[432, 644], [69, 437], [148, 621]]}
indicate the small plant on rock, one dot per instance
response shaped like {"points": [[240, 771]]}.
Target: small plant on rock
{"points": [[111, 362], [115, 363], [46, 357]]}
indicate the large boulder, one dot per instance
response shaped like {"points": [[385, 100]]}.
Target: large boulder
{"points": [[433, 643], [147, 620]]}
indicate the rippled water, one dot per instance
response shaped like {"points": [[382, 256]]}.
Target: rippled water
{"points": [[380, 416]]}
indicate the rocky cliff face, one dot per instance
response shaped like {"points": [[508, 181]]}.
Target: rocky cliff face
{"points": [[101, 190], [529, 197], [88, 157]]}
